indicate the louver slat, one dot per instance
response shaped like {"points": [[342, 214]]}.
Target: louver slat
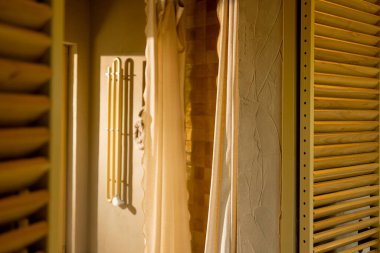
{"points": [[344, 160], [345, 137], [345, 46], [344, 80], [34, 16], [363, 246], [344, 92], [345, 69], [343, 184], [19, 142], [26, 118], [16, 207], [344, 206], [22, 237], [345, 57], [339, 118], [18, 76], [330, 198], [350, 36], [344, 126], [351, 171], [361, 5], [337, 220], [345, 114], [21, 43], [346, 12], [16, 109], [345, 149], [345, 103], [18, 174], [344, 23], [345, 241], [329, 234]]}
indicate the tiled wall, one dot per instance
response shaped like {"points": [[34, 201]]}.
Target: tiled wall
{"points": [[202, 29]]}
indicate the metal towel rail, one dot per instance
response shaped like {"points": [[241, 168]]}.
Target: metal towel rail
{"points": [[117, 132]]}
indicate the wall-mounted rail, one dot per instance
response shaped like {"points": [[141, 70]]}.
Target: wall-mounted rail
{"points": [[116, 143]]}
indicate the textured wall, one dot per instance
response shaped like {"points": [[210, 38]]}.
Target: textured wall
{"points": [[202, 28], [260, 64]]}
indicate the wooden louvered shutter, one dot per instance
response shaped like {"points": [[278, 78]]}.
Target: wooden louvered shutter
{"points": [[26, 105], [339, 96]]}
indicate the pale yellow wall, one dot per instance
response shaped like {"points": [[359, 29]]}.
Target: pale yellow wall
{"points": [[120, 230], [77, 22], [117, 28]]}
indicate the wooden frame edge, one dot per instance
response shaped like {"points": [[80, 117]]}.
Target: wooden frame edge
{"points": [[58, 143], [288, 222]]}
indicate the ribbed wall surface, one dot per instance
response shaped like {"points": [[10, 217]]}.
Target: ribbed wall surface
{"points": [[344, 100], [24, 135]]}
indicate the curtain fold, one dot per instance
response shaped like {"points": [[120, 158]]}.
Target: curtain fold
{"points": [[165, 204], [221, 227]]}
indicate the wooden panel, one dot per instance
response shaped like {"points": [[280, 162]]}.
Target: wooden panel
{"points": [[18, 76], [34, 14], [21, 43], [27, 31], [344, 121], [19, 206], [16, 109], [18, 142], [18, 174], [20, 238]]}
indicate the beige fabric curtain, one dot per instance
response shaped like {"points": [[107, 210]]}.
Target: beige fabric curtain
{"points": [[221, 227], [165, 205]]}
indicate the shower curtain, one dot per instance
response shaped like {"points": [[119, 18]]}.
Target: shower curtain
{"points": [[221, 227], [165, 205]]}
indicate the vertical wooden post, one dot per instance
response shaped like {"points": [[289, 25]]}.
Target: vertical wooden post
{"points": [[306, 126], [289, 128]]}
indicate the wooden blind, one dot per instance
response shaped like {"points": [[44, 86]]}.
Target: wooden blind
{"points": [[339, 160], [24, 132]]}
